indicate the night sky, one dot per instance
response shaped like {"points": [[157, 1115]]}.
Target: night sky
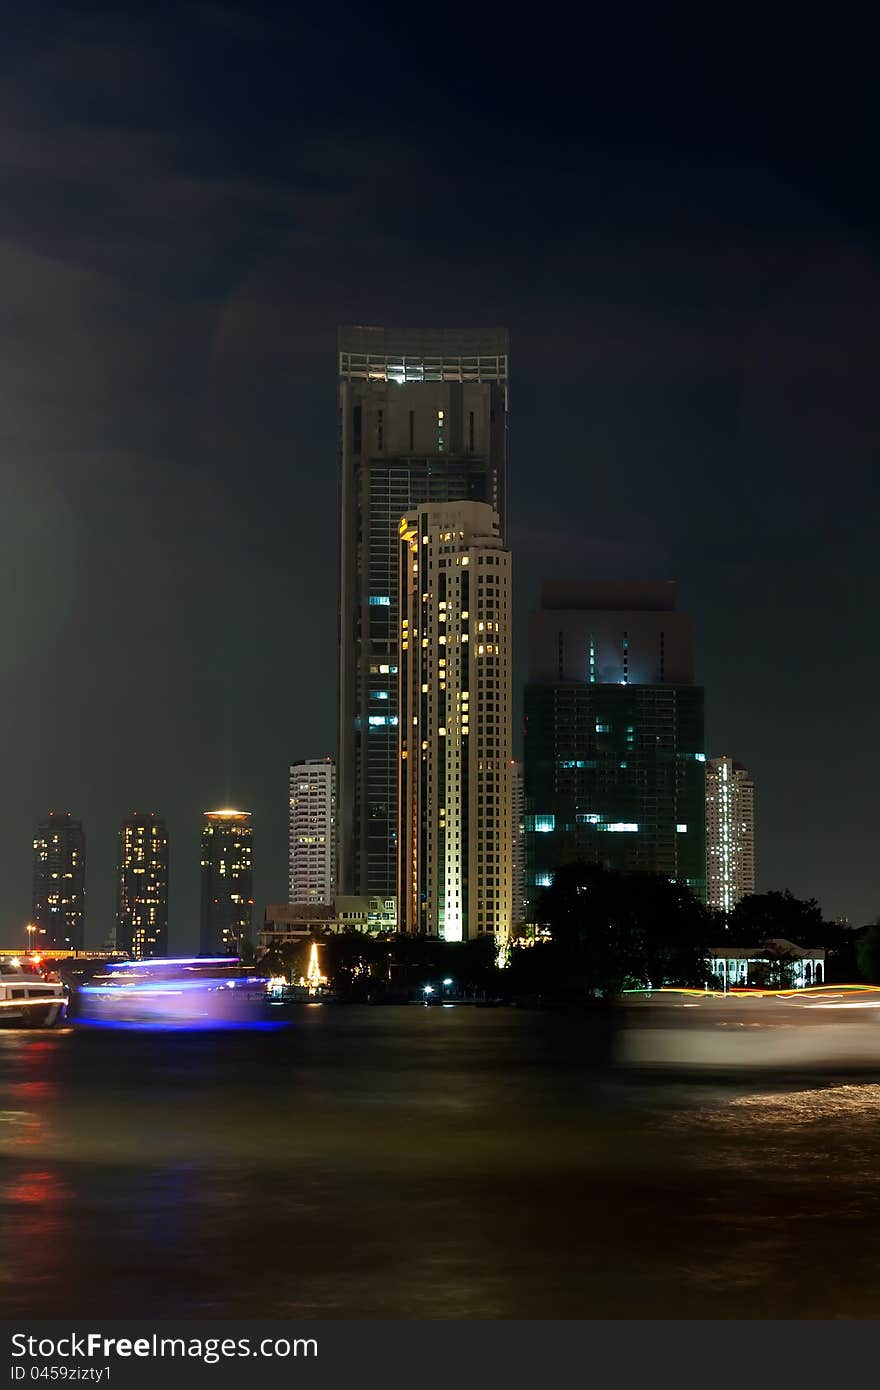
{"points": [[678, 226]]}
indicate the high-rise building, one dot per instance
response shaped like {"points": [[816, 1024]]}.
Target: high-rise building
{"points": [[423, 420], [227, 882], [313, 831], [456, 837], [730, 833], [614, 750], [518, 827], [59, 883], [142, 887]]}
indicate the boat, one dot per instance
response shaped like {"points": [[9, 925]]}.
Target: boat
{"points": [[188, 992], [29, 999]]}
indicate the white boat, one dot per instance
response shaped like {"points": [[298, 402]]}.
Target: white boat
{"points": [[27, 1000]]}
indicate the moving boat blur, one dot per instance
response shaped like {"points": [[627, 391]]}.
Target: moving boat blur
{"points": [[190, 992]]}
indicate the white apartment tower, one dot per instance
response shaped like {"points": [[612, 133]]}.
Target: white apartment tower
{"points": [[455, 829], [313, 831], [730, 833]]}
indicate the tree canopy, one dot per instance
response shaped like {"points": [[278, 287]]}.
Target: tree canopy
{"points": [[612, 930], [761, 917]]}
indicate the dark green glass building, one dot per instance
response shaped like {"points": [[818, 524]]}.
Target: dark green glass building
{"points": [[614, 750]]}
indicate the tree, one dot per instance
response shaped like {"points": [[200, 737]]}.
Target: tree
{"points": [[611, 930], [766, 917], [761, 917], [271, 961]]}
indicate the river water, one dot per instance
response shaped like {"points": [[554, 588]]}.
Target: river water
{"points": [[427, 1163]]}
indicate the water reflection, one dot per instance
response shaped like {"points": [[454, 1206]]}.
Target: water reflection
{"points": [[426, 1163]]}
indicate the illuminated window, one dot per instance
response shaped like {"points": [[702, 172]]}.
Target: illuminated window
{"points": [[380, 601]]}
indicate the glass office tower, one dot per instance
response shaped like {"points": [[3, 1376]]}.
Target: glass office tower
{"points": [[615, 768], [423, 420]]}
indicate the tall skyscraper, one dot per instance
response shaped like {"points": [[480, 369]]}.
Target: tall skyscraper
{"points": [[313, 831], [423, 419], [730, 833], [227, 882], [142, 887], [518, 828], [456, 836], [59, 882], [614, 760]]}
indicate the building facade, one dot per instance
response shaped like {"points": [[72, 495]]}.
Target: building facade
{"points": [[312, 868], [730, 833], [423, 420], [614, 747], [142, 887], [518, 828], [284, 922], [227, 882], [775, 964], [455, 804], [59, 883]]}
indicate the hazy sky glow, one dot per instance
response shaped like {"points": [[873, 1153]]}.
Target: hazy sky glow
{"points": [[684, 247]]}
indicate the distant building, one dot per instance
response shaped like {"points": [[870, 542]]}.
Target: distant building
{"points": [[455, 804], [286, 922], [423, 419], [59, 883], [142, 887], [730, 833], [227, 882], [518, 828], [313, 831], [291, 921], [365, 913], [614, 747]]}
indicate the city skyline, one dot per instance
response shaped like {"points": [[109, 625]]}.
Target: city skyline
{"points": [[438, 485], [693, 361]]}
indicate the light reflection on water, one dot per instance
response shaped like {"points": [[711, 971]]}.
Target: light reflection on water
{"points": [[426, 1163]]}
